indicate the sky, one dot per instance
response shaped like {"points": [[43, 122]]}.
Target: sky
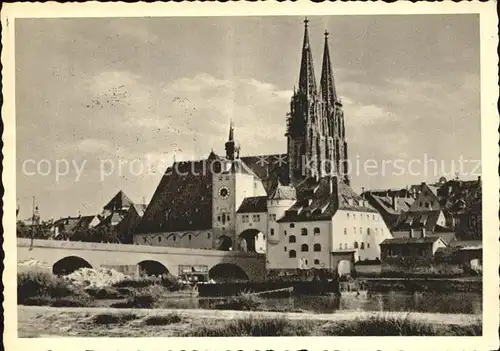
{"points": [[104, 104]]}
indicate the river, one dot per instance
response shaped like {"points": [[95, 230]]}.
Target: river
{"points": [[468, 303]]}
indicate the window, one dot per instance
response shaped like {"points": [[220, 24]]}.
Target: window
{"points": [[354, 230], [420, 203], [228, 218], [347, 215], [367, 245], [189, 237], [284, 232], [285, 248], [355, 244], [159, 239], [272, 217], [345, 231], [292, 254], [376, 230], [272, 231], [373, 217], [174, 238], [426, 205], [256, 218], [361, 215], [208, 235], [360, 230], [345, 246], [368, 231], [316, 261], [317, 247], [304, 248], [316, 231], [218, 218], [291, 239], [353, 216], [303, 231], [292, 225], [362, 246], [340, 246]]}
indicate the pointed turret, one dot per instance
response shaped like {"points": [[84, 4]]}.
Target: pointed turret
{"points": [[307, 80], [232, 147], [328, 92]]}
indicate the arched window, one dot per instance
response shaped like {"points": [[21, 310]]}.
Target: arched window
{"points": [[272, 231], [189, 237], [367, 245], [292, 254], [303, 231], [291, 239], [368, 231], [340, 246], [304, 248], [159, 239], [355, 244], [208, 235], [174, 237], [362, 246], [345, 246], [316, 261], [316, 231], [317, 247]]}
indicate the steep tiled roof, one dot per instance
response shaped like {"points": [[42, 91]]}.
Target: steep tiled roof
{"points": [[269, 168], [283, 192], [399, 241], [319, 200], [182, 201], [253, 204], [84, 221]]}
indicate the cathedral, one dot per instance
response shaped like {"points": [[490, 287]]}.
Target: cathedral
{"points": [[297, 208]]}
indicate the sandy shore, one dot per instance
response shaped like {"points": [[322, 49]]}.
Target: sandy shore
{"points": [[41, 321]]}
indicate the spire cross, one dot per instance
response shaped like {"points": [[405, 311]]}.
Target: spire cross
{"points": [[306, 21], [326, 34]]}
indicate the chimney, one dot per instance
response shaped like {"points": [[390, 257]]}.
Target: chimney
{"points": [[363, 192], [423, 232], [411, 232], [479, 179], [394, 202]]}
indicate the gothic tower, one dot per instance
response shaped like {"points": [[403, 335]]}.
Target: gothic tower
{"points": [[305, 141], [336, 143]]}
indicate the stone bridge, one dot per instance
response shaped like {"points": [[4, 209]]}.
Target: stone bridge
{"points": [[63, 257]]}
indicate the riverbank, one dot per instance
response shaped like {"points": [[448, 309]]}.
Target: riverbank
{"points": [[43, 321], [415, 284]]}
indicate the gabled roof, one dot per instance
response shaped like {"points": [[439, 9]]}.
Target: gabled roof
{"points": [[418, 219], [84, 221], [119, 201], [385, 203], [283, 192], [399, 241], [253, 204]]}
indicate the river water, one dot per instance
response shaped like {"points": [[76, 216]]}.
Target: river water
{"points": [[469, 303]]}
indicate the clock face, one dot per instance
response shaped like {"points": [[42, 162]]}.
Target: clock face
{"points": [[224, 192]]}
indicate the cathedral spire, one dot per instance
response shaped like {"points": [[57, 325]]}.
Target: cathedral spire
{"points": [[231, 131], [307, 80], [328, 91]]}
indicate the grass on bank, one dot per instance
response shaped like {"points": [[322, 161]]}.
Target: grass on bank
{"points": [[375, 326]]}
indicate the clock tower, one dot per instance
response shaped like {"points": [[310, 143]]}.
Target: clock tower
{"points": [[231, 186]]}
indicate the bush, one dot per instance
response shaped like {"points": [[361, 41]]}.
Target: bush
{"points": [[377, 326], [41, 284], [41, 288], [113, 318], [136, 282], [255, 327], [171, 318]]}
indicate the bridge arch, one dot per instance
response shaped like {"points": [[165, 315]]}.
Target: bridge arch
{"points": [[151, 267], [227, 272], [252, 240], [69, 264]]}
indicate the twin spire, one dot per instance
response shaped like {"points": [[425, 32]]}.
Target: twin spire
{"points": [[307, 79]]}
